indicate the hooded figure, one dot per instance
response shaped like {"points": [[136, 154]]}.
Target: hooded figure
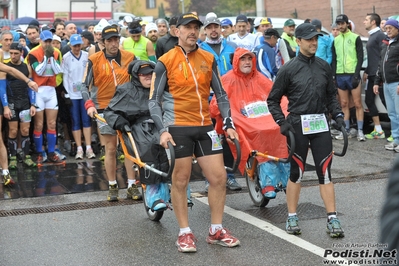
{"points": [[129, 106], [247, 93]]}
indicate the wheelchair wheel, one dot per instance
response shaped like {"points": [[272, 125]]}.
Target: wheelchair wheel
{"points": [[254, 189], [154, 216]]}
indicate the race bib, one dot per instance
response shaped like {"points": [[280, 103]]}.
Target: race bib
{"points": [[314, 123], [76, 87], [24, 116], [48, 72], [216, 143], [100, 123], [257, 109]]}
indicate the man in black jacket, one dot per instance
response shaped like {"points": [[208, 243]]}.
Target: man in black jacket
{"points": [[167, 42], [307, 82], [372, 24], [388, 73]]}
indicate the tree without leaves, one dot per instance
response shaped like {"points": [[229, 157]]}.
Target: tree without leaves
{"points": [[202, 7], [233, 7]]}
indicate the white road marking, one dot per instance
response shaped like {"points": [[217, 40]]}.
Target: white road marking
{"points": [[268, 227]]}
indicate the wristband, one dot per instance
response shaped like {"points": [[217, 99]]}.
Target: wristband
{"points": [[228, 123], [89, 103]]}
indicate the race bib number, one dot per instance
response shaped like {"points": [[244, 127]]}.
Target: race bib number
{"points": [[76, 87], [216, 143], [24, 116], [48, 72], [100, 123], [314, 123], [257, 109]]}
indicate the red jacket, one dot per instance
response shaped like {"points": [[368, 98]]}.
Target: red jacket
{"points": [[260, 132]]}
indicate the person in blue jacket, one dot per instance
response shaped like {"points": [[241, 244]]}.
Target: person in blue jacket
{"points": [[266, 55], [324, 50]]}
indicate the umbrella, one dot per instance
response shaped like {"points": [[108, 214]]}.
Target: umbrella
{"points": [[25, 20], [5, 24]]}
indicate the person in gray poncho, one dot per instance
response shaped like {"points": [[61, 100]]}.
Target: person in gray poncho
{"points": [[129, 106]]}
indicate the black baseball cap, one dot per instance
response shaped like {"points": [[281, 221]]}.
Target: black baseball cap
{"points": [[271, 32], [109, 32], [342, 18], [88, 35], [145, 69], [188, 18], [306, 31]]}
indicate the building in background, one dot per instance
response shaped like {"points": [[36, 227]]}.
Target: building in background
{"points": [[327, 10]]}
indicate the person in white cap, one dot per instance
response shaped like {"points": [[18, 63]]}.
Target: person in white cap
{"points": [[151, 32], [74, 64], [99, 44]]}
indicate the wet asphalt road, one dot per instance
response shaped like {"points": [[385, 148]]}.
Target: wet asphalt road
{"points": [[123, 235]]}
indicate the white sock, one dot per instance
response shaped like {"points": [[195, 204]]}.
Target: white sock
{"points": [[292, 214], [5, 172], [378, 128], [80, 148], [130, 182], [111, 183], [88, 147], [185, 230], [331, 215], [215, 227]]}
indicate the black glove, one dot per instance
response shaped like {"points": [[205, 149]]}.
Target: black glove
{"points": [[49, 51], [339, 123], [120, 124], [355, 81], [285, 128]]}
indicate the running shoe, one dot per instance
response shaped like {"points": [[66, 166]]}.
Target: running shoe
{"points": [[390, 139], [334, 228], [222, 237], [41, 158], [360, 136], [28, 161], [232, 183], [79, 154], [133, 193], [352, 133], [60, 155], [292, 226], [7, 179], [186, 243], [12, 164], [391, 146], [375, 135], [90, 154], [396, 149], [54, 158], [113, 193]]}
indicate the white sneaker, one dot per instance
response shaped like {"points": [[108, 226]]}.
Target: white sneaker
{"points": [[79, 154], [360, 136], [391, 146], [90, 154]]}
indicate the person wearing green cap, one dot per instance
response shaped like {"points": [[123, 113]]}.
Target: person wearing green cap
{"points": [[288, 34]]}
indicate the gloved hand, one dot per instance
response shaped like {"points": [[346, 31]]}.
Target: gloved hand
{"points": [[339, 123], [285, 128], [355, 81], [49, 51], [120, 124]]}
